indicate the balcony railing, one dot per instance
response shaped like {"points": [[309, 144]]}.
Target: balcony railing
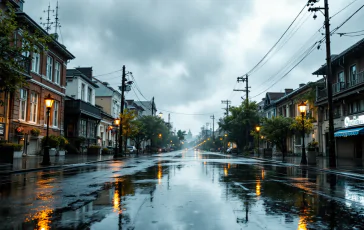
{"points": [[79, 106], [338, 87]]}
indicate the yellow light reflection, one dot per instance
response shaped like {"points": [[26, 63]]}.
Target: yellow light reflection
{"points": [[228, 165], [160, 173], [263, 174], [302, 224], [116, 199], [43, 218], [257, 188], [225, 171]]}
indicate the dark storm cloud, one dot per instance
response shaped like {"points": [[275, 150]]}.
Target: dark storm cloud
{"points": [[178, 50]]}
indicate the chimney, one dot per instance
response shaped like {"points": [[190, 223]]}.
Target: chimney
{"points": [[301, 85], [87, 71], [287, 91]]}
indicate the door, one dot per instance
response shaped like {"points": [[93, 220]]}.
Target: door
{"points": [[358, 147]]}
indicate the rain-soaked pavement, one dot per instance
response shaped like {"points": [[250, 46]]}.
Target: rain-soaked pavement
{"points": [[182, 190]]}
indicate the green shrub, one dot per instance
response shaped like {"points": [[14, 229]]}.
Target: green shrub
{"points": [[35, 132], [94, 147], [105, 151], [17, 147], [53, 141], [62, 142], [79, 141], [71, 149]]}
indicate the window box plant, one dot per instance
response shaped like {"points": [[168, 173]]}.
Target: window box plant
{"points": [[35, 132], [19, 130], [94, 150]]}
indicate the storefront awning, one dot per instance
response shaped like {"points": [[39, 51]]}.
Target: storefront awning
{"points": [[349, 132]]}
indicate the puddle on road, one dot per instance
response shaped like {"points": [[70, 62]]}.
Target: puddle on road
{"points": [[201, 191]]}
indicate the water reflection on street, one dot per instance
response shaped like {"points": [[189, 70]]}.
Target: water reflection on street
{"points": [[190, 190]]}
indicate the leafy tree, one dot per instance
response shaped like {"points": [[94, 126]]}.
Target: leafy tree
{"points": [[155, 129], [297, 124], [181, 135], [239, 123], [277, 130], [128, 126], [138, 137], [15, 50]]}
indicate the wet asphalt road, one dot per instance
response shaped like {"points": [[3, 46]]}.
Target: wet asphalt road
{"points": [[182, 190]]}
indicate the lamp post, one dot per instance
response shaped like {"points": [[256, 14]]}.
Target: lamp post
{"points": [[302, 108], [160, 115], [257, 128], [48, 102], [117, 123], [225, 144]]}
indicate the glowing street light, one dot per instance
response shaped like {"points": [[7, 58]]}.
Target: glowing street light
{"points": [[48, 102]]}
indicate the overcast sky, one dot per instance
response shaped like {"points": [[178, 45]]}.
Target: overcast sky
{"points": [[188, 53]]}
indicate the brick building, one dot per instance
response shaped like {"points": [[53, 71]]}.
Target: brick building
{"points": [[25, 109]]}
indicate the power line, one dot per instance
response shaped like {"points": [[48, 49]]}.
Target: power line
{"points": [[287, 40], [108, 73], [343, 9], [310, 50], [270, 50]]}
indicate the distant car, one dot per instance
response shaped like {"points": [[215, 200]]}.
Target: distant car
{"points": [[132, 149]]}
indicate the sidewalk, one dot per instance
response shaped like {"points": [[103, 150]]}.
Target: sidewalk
{"points": [[347, 167], [32, 163]]}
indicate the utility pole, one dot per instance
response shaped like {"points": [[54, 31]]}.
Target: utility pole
{"points": [[213, 126], [244, 79], [227, 102], [123, 80], [153, 106], [332, 150]]}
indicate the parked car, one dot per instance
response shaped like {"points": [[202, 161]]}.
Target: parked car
{"points": [[132, 149]]}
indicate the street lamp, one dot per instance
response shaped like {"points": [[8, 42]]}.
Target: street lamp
{"points": [[117, 123], [257, 128], [48, 102], [302, 108], [160, 115]]}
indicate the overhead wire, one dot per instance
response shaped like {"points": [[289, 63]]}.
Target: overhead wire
{"points": [[310, 50], [271, 49], [288, 39]]}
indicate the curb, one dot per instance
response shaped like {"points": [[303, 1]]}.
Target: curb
{"points": [[333, 171], [53, 167]]}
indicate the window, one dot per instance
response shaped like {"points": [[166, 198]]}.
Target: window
{"points": [[83, 127], [49, 67], [36, 61], [91, 129], [57, 73], [352, 75], [33, 107], [89, 95], [83, 92], [55, 113], [340, 77], [23, 104], [24, 46], [361, 105]]}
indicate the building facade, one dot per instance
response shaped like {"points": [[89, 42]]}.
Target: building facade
{"points": [[82, 117], [348, 102], [25, 109]]}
